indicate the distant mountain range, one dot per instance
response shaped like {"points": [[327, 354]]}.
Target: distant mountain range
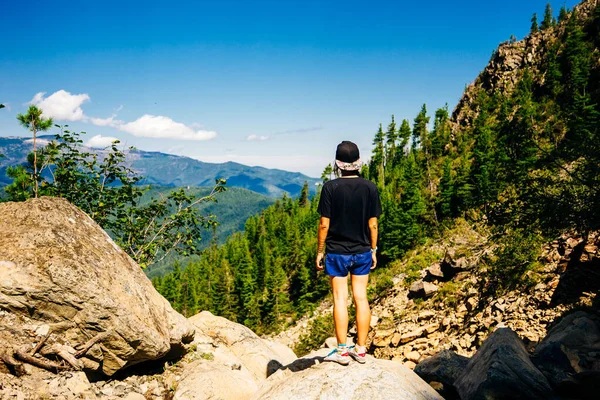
{"points": [[171, 170]]}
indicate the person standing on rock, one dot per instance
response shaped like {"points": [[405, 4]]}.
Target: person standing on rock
{"points": [[347, 243]]}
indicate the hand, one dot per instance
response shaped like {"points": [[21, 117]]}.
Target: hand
{"points": [[319, 262], [374, 257]]}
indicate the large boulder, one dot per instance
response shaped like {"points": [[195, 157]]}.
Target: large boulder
{"points": [[63, 277], [310, 378], [569, 355], [501, 369], [444, 368], [232, 360], [246, 348]]}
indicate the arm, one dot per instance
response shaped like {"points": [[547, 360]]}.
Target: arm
{"points": [[322, 235], [373, 232]]}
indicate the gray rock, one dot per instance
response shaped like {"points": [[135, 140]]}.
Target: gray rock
{"points": [[59, 268], [501, 369], [309, 379], [422, 289], [569, 355], [445, 368], [434, 272]]}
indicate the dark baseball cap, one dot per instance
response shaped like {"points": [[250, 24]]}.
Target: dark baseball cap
{"points": [[347, 156]]}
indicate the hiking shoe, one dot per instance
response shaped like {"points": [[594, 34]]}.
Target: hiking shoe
{"points": [[340, 358], [359, 357]]}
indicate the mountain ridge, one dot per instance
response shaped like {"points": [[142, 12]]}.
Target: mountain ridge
{"points": [[172, 170]]}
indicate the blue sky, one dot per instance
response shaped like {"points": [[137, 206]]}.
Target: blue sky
{"points": [[271, 83]]}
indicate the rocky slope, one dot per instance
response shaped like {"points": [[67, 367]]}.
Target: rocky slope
{"points": [[463, 314], [509, 60], [457, 314], [79, 319]]}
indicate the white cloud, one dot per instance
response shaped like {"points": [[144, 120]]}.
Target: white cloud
{"points": [[157, 126], [300, 130], [61, 105], [64, 106], [110, 121], [100, 142], [178, 149], [256, 137], [39, 142]]}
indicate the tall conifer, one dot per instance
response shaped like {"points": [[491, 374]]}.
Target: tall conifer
{"points": [[548, 20], [534, 24]]}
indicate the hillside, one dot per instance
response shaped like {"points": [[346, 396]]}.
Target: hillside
{"points": [[176, 171], [232, 208]]}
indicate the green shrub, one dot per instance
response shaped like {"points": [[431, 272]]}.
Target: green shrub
{"points": [[515, 261], [417, 263], [379, 287], [319, 329], [449, 293]]}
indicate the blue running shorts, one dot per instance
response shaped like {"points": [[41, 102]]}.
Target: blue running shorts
{"points": [[341, 264]]}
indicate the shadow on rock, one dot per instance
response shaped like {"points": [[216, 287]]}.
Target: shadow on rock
{"points": [[581, 274], [299, 365]]}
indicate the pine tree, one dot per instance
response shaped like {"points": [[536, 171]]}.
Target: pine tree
{"points": [[301, 289], [327, 173], [390, 144], [187, 294], [534, 24], [303, 201], [34, 121], [171, 287], [377, 164], [404, 134], [224, 300], [440, 136], [277, 304], [22, 185], [463, 188], [563, 15], [446, 190], [553, 82], [392, 225], [483, 160], [548, 20], [402, 226], [576, 61], [419, 135]]}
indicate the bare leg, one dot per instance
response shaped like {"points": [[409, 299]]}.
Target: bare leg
{"points": [[363, 311], [339, 286]]}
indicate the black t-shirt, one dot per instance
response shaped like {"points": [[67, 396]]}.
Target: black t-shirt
{"points": [[349, 203]]}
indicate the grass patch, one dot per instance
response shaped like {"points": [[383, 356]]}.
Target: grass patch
{"points": [[449, 293], [380, 285], [319, 329], [421, 260]]}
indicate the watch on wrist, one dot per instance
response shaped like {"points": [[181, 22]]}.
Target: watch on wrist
{"points": [[374, 250]]}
